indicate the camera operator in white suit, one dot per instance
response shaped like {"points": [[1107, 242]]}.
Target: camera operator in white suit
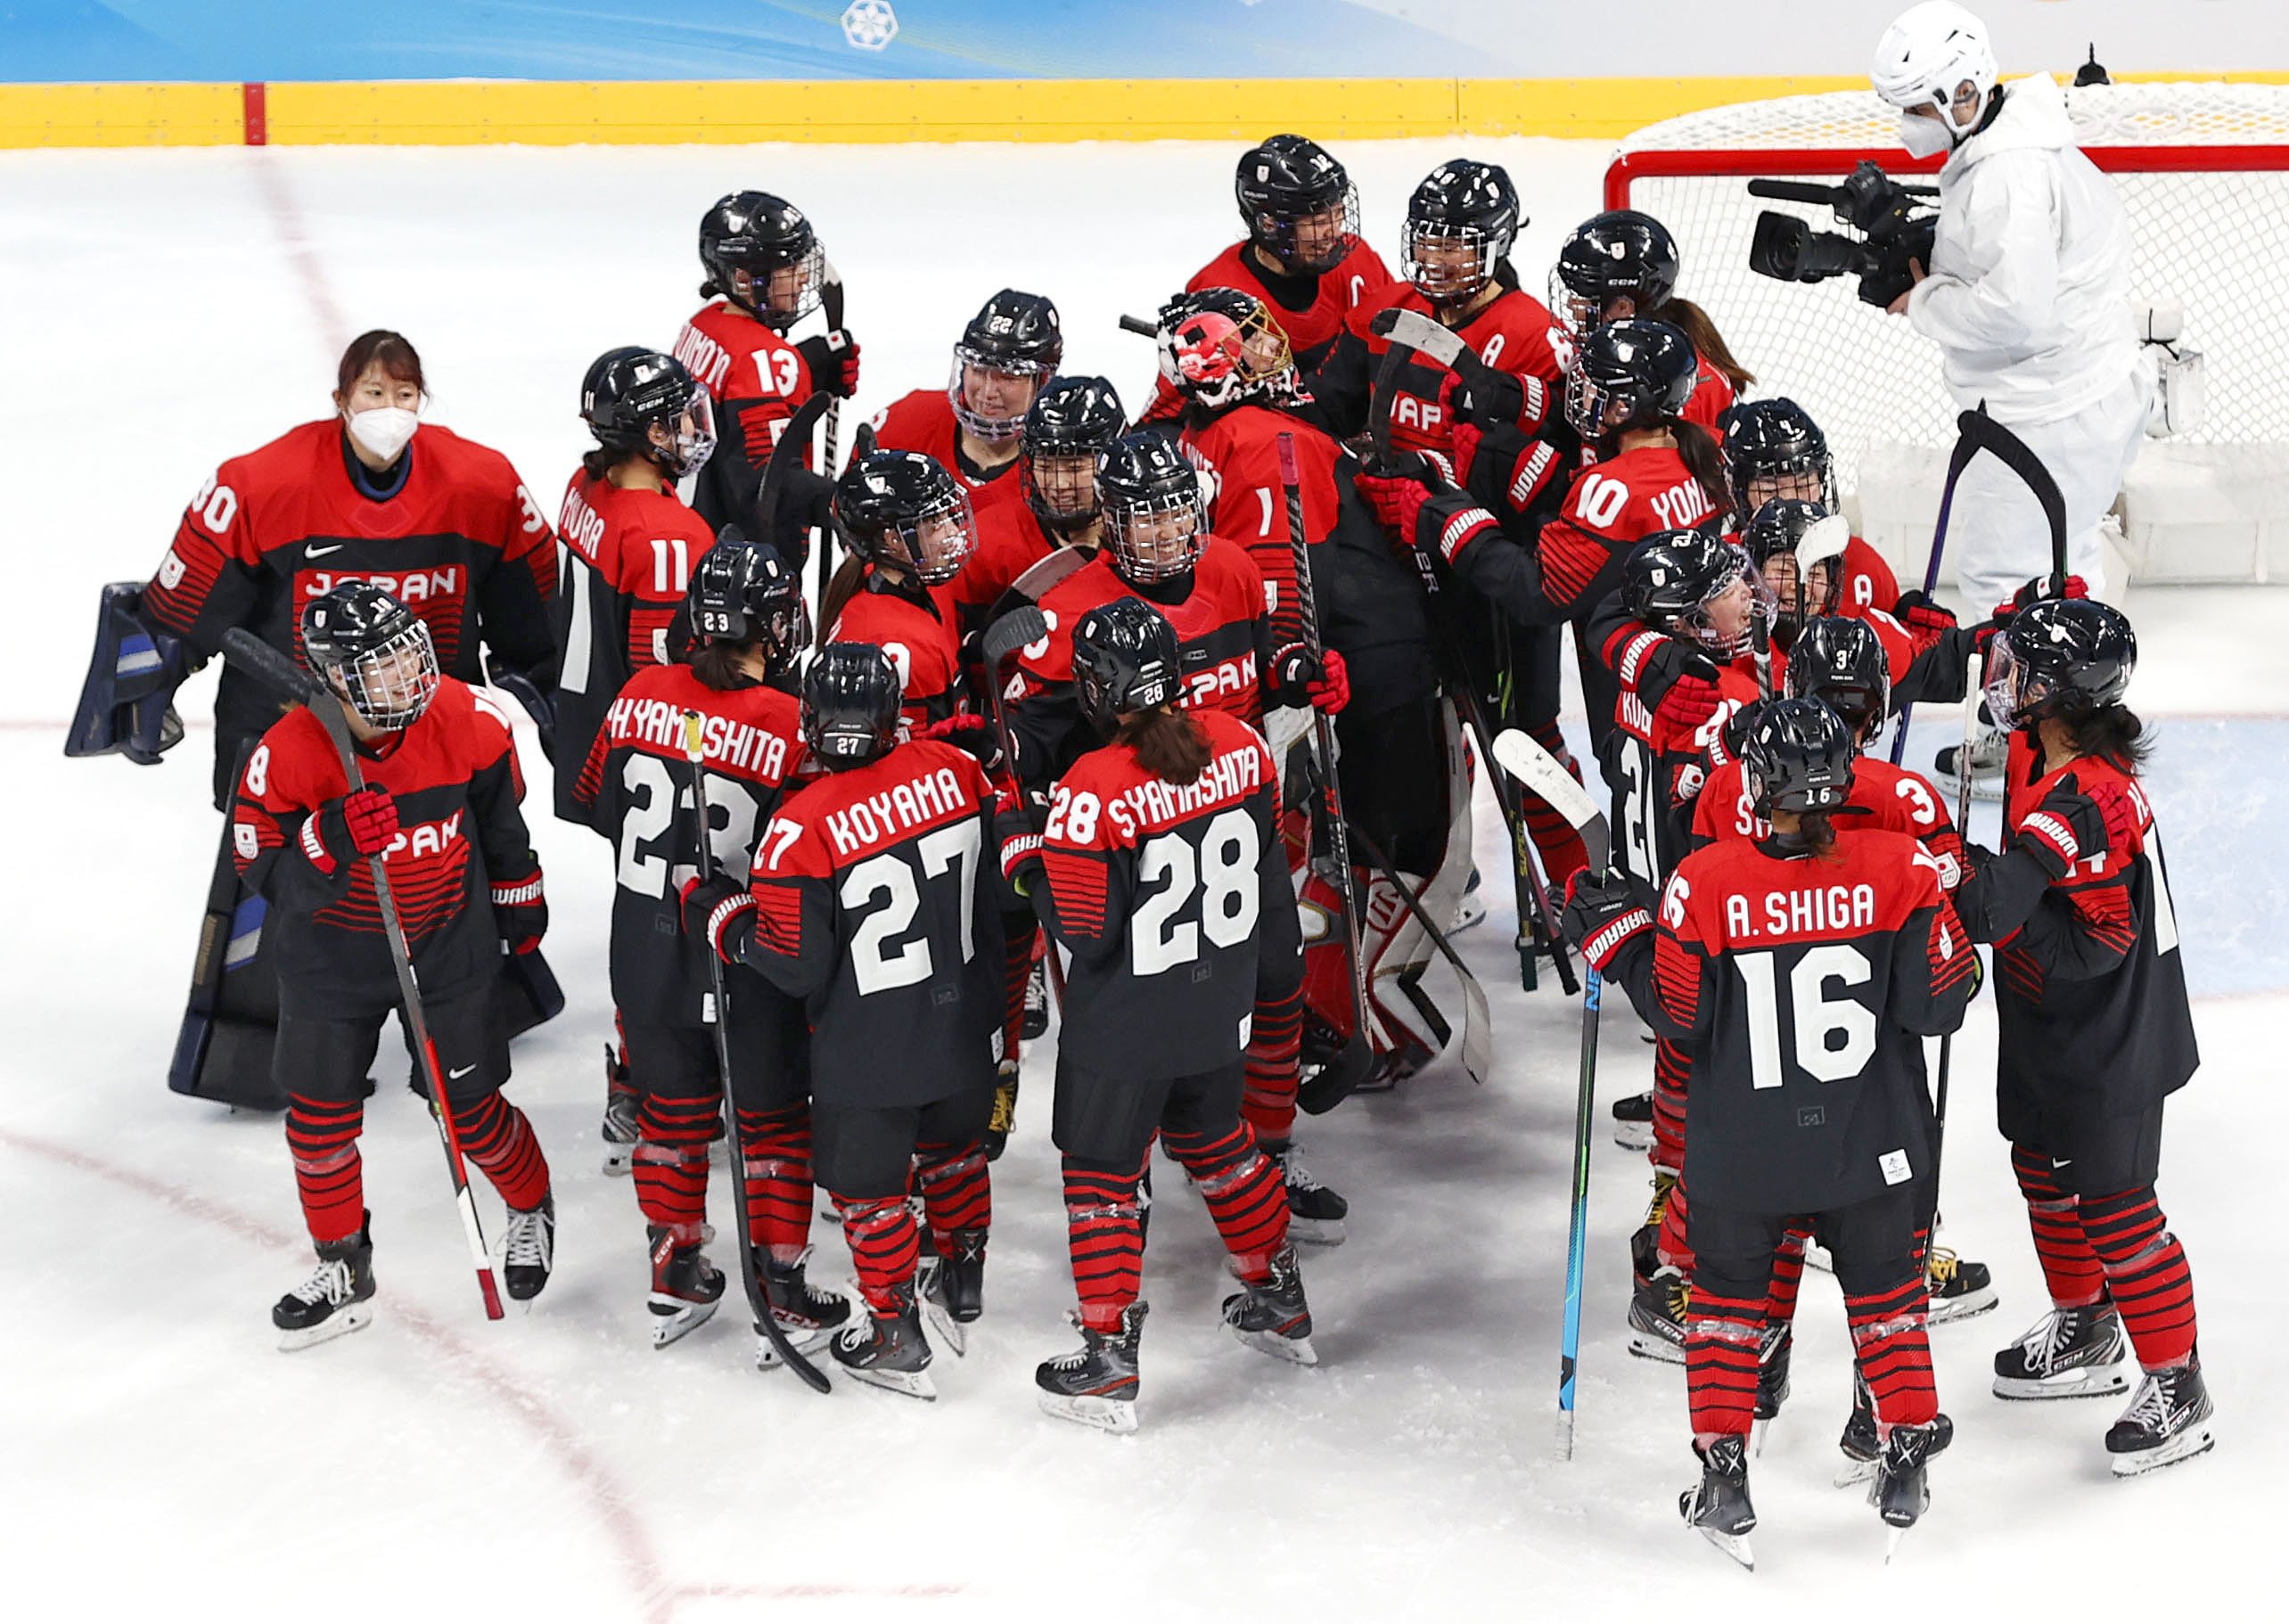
{"points": [[2026, 297]]}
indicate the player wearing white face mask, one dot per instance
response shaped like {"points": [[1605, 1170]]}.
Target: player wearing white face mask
{"points": [[2027, 293]]}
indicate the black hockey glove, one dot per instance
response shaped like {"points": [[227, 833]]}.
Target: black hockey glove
{"points": [[1017, 835], [521, 909], [1601, 914], [721, 913], [832, 358]]}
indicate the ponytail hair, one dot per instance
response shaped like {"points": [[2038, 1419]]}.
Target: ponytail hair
{"points": [[848, 575], [1814, 836], [717, 663], [2112, 733], [1708, 343], [1169, 744], [1703, 460]]}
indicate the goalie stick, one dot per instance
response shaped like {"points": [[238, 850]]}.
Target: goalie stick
{"points": [[758, 1300], [278, 672], [1478, 1049], [1541, 773]]}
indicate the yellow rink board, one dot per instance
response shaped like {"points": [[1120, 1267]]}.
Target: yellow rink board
{"points": [[468, 112]]}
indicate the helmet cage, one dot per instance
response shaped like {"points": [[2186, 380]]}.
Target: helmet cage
{"points": [[1167, 552], [993, 430], [391, 685], [1451, 279], [1272, 227]]}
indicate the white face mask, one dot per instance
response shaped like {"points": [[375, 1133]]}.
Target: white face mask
{"points": [[1924, 137], [384, 431]]}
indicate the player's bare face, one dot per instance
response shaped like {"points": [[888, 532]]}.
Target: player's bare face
{"points": [[993, 393], [1729, 611], [1800, 485]]}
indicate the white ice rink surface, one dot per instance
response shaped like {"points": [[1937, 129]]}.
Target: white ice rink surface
{"points": [[165, 310]]}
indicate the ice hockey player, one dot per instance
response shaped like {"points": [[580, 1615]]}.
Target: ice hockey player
{"points": [[874, 901], [1005, 357], [1775, 452], [764, 270], [1852, 930], [749, 624], [1160, 857], [1624, 263], [908, 528], [1303, 256], [1157, 547], [439, 811], [2095, 1032], [1070, 422]]}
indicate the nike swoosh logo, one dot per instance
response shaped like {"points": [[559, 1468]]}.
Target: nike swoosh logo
{"points": [[2057, 1163], [461, 1071], [321, 552]]}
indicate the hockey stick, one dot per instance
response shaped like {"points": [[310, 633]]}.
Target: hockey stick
{"points": [[1012, 632], [1535, 768], [831, 301], [1973, 671], [759, 1303], [1346, 1070], [1478, 1051], [278, 672], [787, 451], [1138, 325], [1966, 449]]}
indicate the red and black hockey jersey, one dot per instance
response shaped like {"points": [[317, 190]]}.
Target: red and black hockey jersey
{"points": [[1515, 333], [636, 785], [878, 904], [756, 381], [923, 420], [1658, 771], [1241, 448], [910, 625], [1712, 397], [1010, 541], [1157, 890], [2090, 987], [1805, 986], [460, 542], [1883, 796], [1223, 637], [629, 557], [461, 843]]}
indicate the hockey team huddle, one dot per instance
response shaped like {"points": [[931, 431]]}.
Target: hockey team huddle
{"points": [[1166, 715]]}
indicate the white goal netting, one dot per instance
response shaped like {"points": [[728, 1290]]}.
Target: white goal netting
{"points": [[2203, 168]]}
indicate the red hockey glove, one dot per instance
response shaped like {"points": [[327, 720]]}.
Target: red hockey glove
{"points": [[966, 730], [1395, 499], [2066, 828], [1673, 679], [832, 358], [2122, 806], [1925, 620], [359, 824], [1301, 677], [520, 911], [721, 913], [2035, 592], [1601, 914], [1332, 691]]}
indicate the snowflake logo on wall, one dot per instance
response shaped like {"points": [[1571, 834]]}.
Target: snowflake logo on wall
{"points": [[869, 25]]}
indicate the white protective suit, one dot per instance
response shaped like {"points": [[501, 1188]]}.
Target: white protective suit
{"points": [[2028, 300]]}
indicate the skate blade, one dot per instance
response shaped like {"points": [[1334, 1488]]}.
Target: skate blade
{"points": [[805, 1340], [2091, 1382], [1735, 1545], [1661, 1350], [946, 1328], [1107, 1414], [1854, 1472], [675, 1319], [619, 1159], [1971, 1303], [2185, 1446], [1759, 1431], [1317, 1232], [340, 1323], [911, 1384], [1294, 1349], [1891, 1539], [1633, 1136]]}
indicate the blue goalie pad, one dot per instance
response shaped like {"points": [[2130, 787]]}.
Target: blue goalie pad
{"points": [[127, 706]]}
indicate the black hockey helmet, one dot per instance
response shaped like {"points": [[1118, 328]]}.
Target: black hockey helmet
{"points": [[631, 390], [1461, 224], [900, 510], [1221, 346], [764, 236], [851, 696], [1671, 578], [743, 592], [1798, 759], [1841, 662], [1647, 367], [1290, 179], [1156, 522], [1775, 537], [1125, 659], [2063, 657], [1773, 449], [1068, 424], [374, 651], [1619, 254], [1017, 335]]}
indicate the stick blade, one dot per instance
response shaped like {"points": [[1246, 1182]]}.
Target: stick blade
{"points": [[1021, 625], [1524, 758], [1418, 332], [1478, 1027]]}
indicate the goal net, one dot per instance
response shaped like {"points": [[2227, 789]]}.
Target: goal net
{"points": [[2203, 168]]}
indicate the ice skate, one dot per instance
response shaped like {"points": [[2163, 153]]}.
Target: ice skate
{"points": [[2167, 1421], [1860, 1450], [1990, 749], [2069, 1353], [1959, 1289], [1316, 1213], [621, 1102], [889, 1350], [1720, 1508], [1036, 1002], [1657, 1316], [529, 1249], [1900, 1493], [1097, 1385], [336, 1299], [1633, 1121], [1271, 1315], [953, 1289], [1002, 1121], [685, 1287], [805, 1315]]}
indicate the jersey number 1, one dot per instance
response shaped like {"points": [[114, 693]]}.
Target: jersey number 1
{"points": [[1835, 1037]]}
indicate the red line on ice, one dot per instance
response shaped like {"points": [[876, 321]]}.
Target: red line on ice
{"points": [[659, 1598], [286, 217]]}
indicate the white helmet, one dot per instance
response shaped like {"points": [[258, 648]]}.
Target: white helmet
{"points": [[1928, 51]]}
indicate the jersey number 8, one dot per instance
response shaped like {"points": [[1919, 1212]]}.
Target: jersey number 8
{"points": [[1222, 874]]}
